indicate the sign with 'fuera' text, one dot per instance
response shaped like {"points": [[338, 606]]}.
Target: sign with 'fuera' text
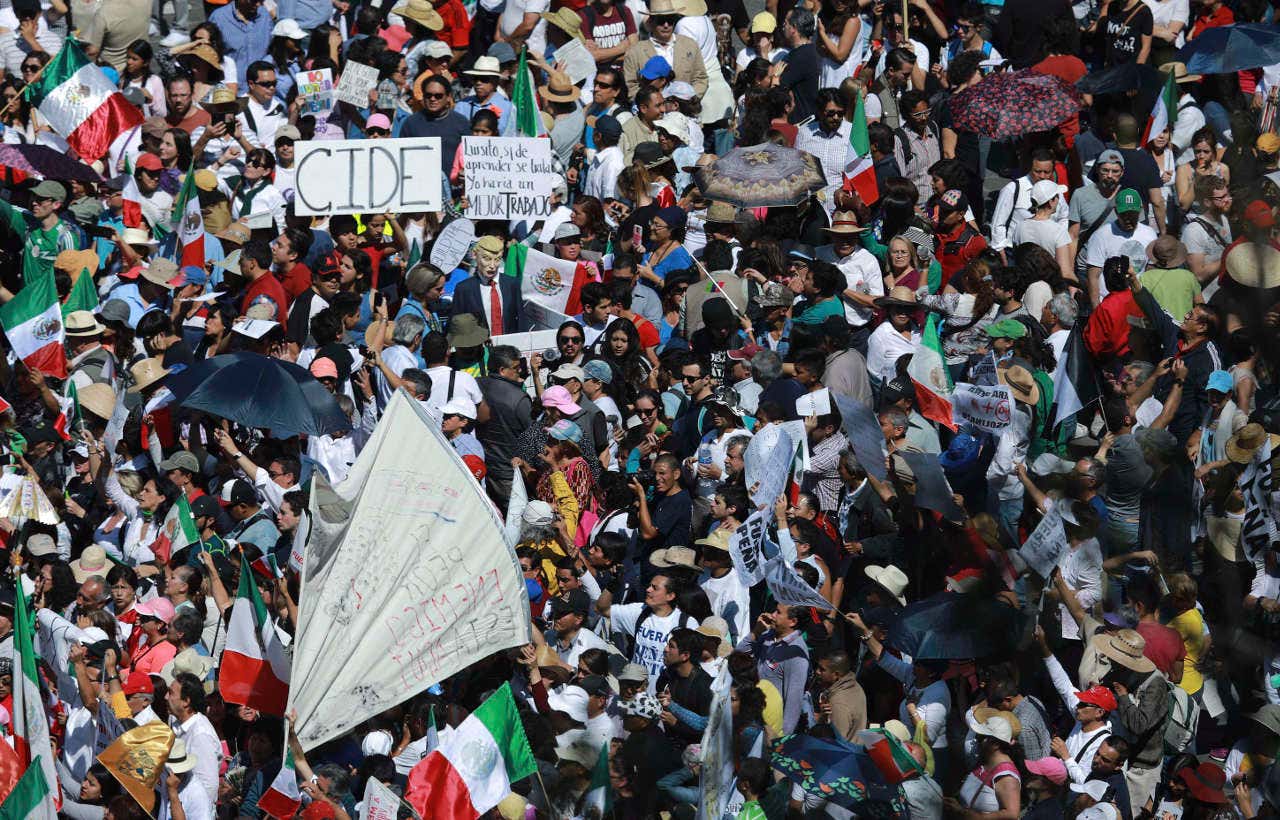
{"points": [[367, 176]]}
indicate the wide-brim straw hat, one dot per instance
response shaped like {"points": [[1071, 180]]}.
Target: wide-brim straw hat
{"points": [[844, 223], [422, 13], [1247, 441], [1020, 383], [559, 88], [146, 373], [898, 296], [1126, 648]]}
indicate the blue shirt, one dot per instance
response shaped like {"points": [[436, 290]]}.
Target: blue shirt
{"points": [[497, 103], [308, 13], [246, 40], [128, 293]]}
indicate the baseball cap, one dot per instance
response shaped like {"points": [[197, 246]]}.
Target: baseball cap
{"points": [[1100, 811], [148, 162], [1099, 696], [608, 126], [568, 371], [599, 370], [568, 230], [159, 608], [287, 132], [633, 673], [181, 460], [324, 368], [1044, 191], [764, 23], [576, 601], [138, 683], [1050, 768], [1109, 156], [1006, 329], [238, 491], [1206, 782], [459, 406], [953, 200], [436, 49], [680, 90], [1221, 381], [572, 700], [1128, 201], [203, 506], [50, 190], [745, 353], [41, 544], [378, 121], [502, 52], [595, 684], [655, 68], [565, 430]]}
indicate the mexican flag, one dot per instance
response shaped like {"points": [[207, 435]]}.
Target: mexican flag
{"points": [[552, 287], [35, 795], [282, 798], [599, 794], [255, 669], [187, 524], [1165, 112], [81, 104], [449, 785], [33, 322], [928, 371], [860, 173], [190, 226], [528, 119], [69, 416], [131, 210], [83, 295]]}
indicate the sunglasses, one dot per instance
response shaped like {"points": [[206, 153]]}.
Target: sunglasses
{"points": [[31, 67], [377, 132], [437, 95], [267, 84], [690, 378], [663, 21], [647, 412], [257, 163], [565, 340]]}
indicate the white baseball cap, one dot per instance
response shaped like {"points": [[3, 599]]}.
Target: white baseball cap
{"points": [[1044, 191], [461, 406]]}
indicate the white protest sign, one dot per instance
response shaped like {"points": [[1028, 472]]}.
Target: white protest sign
{"points": [[541, 316], [984, 407], [716, 783], [788, 587], [367, 176], [576, 61], [817, 403], [448, 589], [316, 93], [356, 82], [746, 546], [298, 549], [508, 177], [767, 463], [380, 803], [452, 244], [1259, 528], [1047, 543]]}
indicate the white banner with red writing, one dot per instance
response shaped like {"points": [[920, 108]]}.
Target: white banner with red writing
{"points": [[983, 407]]}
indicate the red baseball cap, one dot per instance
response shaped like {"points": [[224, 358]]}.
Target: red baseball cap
{"points": [[1099, 696], [131, 273], [138, 683], [476, 465], [745, 353], [1258, 214], [149, 162]]}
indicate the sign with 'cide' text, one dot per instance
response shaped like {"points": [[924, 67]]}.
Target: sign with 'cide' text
{"points": [[367, 176]]}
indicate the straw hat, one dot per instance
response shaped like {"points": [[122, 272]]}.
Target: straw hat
{"points": [[1240, 447], [1179, 71], [899, 296], [82, 323], [844, 223], [1253, 265], [717, 627], [422, 13], [221, 98], [692, 8], [717, 540], [485, 66], [983, 714], [93, 561], [204, 52], [181, 760], [551, 665], [73, 262], [1126, 648], [682, 557], [666, 8], [565, 19], [559, 88], [146, 373], [138, 236], [98, 399], [1020, 383]]}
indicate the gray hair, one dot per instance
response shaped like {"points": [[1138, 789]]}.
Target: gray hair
{"points": [[896, 417], [1141, 371], [766, 366], [1063, 307], [418, 381], [104, 592], [802, 20], [536, 533], [502, 357], [737, 441], [408, 327], [849, 460], [339, 778]]}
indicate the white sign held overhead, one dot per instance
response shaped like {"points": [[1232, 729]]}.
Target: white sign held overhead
{"points": [[451, 246], [983, 407], [367, 176], [508, 177], [356, 82]]}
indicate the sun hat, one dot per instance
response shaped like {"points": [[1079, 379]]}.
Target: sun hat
{"points": [[191, 662], [1020, 383], [1247, 441], [1221, 381], [558, 397], [982, 714], [996, 726], [559, 87], [161, 272], [650, 154], [716, 627], [565, 19], [675, 125], [160, 607], [569, 370], [41, 544], [1050, 768], [655, 67], [1006, 329], [572, 700], [599, 370], [642, 705], [466, 330], [844, 223], [1179, 72], [146, 373], [82, 323], [459, 406], [180, 760], [422, 13], [898, 296], [288, 27], [1206, 782], [683, 557], [98, 399], [1128, 201], [890, 578], [137, 236], [73, 262], [565, 430], [485, 66], [717, 540]]}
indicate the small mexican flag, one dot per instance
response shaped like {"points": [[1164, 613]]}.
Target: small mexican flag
{"points": [[1164, 114], [83, 295], [860, 173], [33, 322], [599, 795], [447, 785], [528, 119], [69, 416], [81, 104], [131, 203], [187, 524], [255, 669], [282, 798], [35, 795], [190, 225], [928, 370]]}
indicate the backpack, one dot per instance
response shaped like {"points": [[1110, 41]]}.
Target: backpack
{"points": [[900, 134], [1184, 720]]}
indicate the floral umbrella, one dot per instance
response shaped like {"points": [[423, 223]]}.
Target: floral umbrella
{"points": [[840, 772], [1010, 105], [757, 176]]}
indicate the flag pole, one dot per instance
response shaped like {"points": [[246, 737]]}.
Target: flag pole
{"points": [[23, 93]]}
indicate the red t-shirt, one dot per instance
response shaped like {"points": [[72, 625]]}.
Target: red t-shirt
{"points": [[296, 281], [457, 26], [1221, 17], [954, 254], [1164, 646], [266, 289], [649, 335], [606, 30]]}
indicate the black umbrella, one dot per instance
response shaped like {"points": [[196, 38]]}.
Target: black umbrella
{"points": [[1120, 79], [46, 163], [955, 626], [259, 391]]}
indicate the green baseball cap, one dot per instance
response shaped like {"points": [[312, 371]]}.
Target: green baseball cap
{"points": [[1006, 329], [48, 189], [1127, 201]]}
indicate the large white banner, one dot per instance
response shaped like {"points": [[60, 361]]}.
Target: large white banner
{"points": [[983, 407], [367, 176], [407, 579]]}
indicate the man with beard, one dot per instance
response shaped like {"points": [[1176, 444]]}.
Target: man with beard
{"points": [[1091, 205]]}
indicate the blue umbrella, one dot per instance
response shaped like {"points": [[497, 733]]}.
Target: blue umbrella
{"points": [[953, 626], [259, 391], [1228, 49]]}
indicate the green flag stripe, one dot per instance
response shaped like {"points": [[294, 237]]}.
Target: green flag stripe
{"points": [[500, 717], [26, 795], [248, 589], [859, 140], [68, 61]]}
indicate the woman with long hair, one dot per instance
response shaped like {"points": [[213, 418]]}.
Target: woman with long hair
{"points": [[620, 346], [21, 120], [356, 267], [839, 27], [1204, 163], [665, 250], [588, 215], [137, 74], [175, 156], [217, 331], [967, 311]]}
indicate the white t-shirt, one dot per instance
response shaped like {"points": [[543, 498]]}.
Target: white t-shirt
{"points": [[862, 274], [731, 600], [399, 358], [1049, 234], [1164, 12], [1109, 241], [464, 385], [748, 54], [1199, 240], [513, 15], [651, 640]]}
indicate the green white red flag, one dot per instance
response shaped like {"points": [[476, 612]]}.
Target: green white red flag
{"points": [[81, 104], [32, 321]]}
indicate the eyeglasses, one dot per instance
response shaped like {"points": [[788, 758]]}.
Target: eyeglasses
{"points": [[599, 84], [920, 115], [569, 340], [657, 226], [833, 112]]}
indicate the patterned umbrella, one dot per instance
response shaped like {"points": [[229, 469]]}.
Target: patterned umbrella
{"points": [[46, 163], [839, 772], [1010, 105], [758, 176]]}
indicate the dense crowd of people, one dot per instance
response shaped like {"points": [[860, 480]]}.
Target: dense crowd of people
{"points": [[1113, 281]]}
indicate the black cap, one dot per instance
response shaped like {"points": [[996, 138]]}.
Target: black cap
{"points": [[575, 601], [718, 313], [896, 391], [648, 153], [608, 126], [204, 505]]}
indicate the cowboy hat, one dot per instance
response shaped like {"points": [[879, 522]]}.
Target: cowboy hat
{"points": [[717, 627], [559, 88], [181, 760], [682, 557], [485, 66], [1020, 383], [146, 373], [1179, 71], [82, 323], [666, 8], [898, 296], [422, 13], [202, 51], [891, 579], [160, 272], [138, 236], [551, 665], [717, 540], [845, 223], [1240, 447], [98, 399], [1126, 648], [692, 8]]}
